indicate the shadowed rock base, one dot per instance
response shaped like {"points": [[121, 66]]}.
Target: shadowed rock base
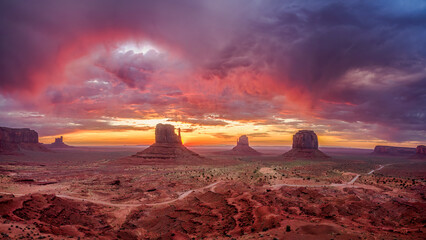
{"points": [[305, 154], [160, 153], [243, 150]]}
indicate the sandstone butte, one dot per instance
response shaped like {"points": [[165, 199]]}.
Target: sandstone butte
{"points": [[59, 143], [243, 148], [167, 149], [305, 146]]}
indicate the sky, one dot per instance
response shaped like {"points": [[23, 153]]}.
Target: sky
{"points": [[105, 72]]}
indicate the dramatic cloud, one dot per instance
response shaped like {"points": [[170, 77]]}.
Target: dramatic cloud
{"points": [[349, 70]]}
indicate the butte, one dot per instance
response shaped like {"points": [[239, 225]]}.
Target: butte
{"points": [[59, 143], [242, 148], [167, 149], [305, 146]]}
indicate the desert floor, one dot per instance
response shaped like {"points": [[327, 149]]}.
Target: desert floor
{"points": [[84, 193]]}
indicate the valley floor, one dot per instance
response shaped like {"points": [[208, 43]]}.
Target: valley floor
{"points": [[82, 193]]}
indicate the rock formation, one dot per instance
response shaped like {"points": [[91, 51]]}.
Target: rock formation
{"points": [[420, 151], [165, 133], [59, 143], [242, 148], [167, 149], [13, 140], [305, 145], [393, 151]]}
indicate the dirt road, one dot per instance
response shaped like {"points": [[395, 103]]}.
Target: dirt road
{"points": [[121, 205]]}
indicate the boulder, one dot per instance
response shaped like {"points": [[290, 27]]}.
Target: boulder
{"points": [[305, 146], [13, 140], [242, 148], [393, 151]]}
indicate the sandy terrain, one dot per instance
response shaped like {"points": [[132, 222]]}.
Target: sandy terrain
{"points": [[78, 193]]}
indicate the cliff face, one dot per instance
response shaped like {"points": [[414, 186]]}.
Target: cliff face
{"points": [[13, 140], [243, 141], [396, 151], [305, 139], [14, 135], [165, 133]]}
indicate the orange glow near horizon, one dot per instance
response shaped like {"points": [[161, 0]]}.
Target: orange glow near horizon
{"points": [[205, 136]]}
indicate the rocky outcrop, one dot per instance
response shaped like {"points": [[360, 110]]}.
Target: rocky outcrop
{"points": [[59, 143], [167, 149], [13, 140], [393, 151], [242, 148], [305, 146]]}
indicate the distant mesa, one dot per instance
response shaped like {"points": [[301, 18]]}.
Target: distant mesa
{"points": [[420, 151], [59, 143], [394, 151], [14, 140], [167, 149], [305, 145], [242, 148]]}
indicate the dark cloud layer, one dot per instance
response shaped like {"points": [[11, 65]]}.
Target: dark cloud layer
{"points": [[356, 62]]}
